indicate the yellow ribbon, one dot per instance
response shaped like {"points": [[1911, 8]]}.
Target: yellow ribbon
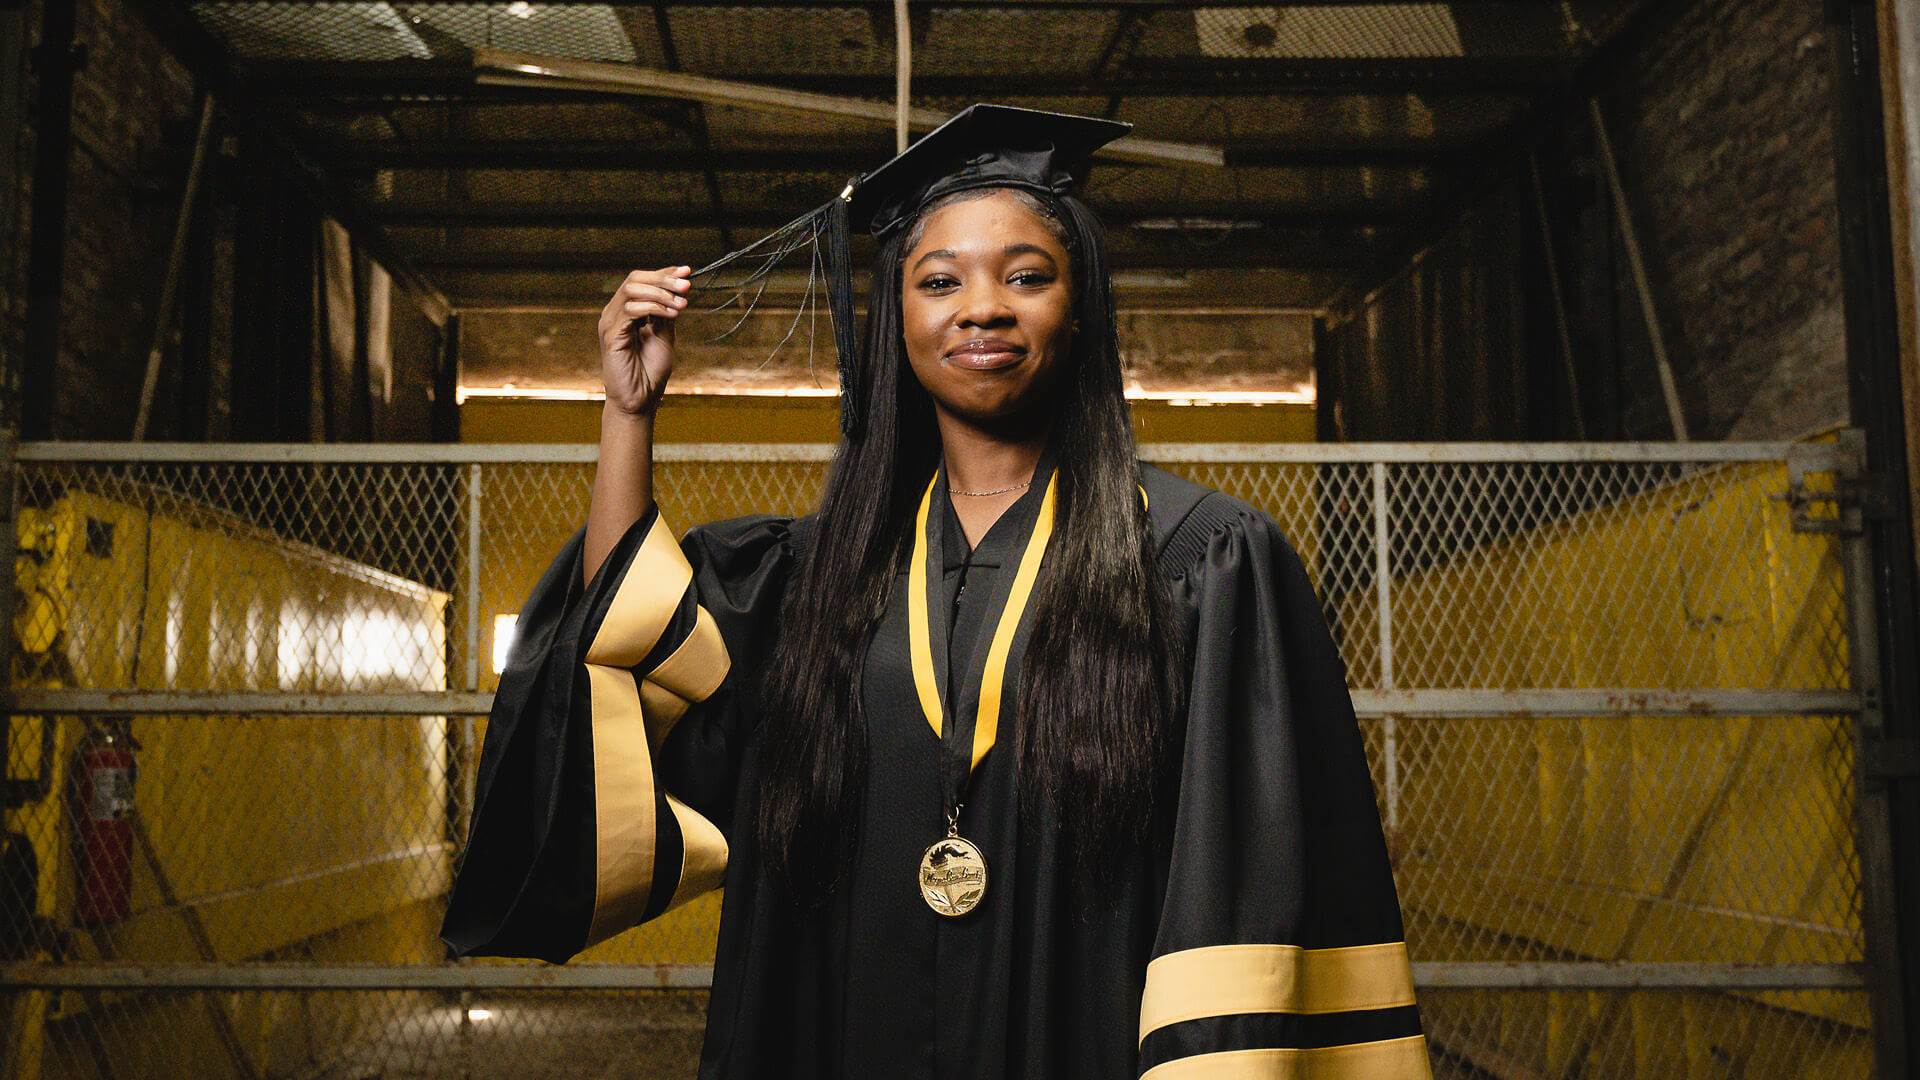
{"points": [[986, 727]]}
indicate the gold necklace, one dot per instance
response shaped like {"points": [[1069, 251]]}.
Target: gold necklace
{"points": [[996, 491]]}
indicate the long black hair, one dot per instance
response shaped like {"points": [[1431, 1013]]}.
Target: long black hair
{"points": [[1100, 617]]}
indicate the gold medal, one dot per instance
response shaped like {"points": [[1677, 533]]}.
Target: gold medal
{"points": [[953, 873]]}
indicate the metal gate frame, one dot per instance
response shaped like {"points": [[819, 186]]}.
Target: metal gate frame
{"points": [[1833, 509]]}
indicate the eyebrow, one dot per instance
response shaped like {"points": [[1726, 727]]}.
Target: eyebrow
{"points": [[1010, 249]]}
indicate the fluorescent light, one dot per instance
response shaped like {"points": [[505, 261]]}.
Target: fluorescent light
{"points": [[1201, 224], [536, 393], [1300, 396], [479, 1014], [503, 628]]}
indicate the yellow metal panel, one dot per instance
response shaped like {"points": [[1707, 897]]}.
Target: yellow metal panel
{"points": [[270, 831], [1633, 838]]}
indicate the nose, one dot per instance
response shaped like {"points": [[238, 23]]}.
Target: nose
{"points": [[982, 306]]}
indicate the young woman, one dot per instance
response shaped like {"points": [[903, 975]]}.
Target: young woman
{"points": [[1016, 759]]}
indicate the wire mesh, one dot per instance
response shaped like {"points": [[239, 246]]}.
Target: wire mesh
{"points": [[260, 841], [562, 1035]]}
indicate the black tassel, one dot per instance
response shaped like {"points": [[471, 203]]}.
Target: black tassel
{"points": [[846, 337]]}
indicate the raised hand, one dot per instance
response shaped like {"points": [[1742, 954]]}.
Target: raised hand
{"points": [[636, 337]]}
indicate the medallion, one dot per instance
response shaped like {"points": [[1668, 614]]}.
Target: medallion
{"points": [[953, 876]]}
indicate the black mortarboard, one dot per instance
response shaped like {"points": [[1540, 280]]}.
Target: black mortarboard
{"points": [[981, 146]]}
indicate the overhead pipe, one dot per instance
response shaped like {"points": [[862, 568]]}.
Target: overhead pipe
{"points": [[1669, 388], [1559, 297], [902, 75], [499, 67], [176, 258]]}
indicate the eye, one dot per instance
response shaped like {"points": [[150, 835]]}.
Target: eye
{"points": [[937, 282], [1033, 279]]}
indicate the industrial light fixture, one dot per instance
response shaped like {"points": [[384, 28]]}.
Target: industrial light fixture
{"points": [[1197, 224], [502, 639]]}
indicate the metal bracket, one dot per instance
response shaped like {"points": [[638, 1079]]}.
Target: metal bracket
{"points": [[1840, 501]]}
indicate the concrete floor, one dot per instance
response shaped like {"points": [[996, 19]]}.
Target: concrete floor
{"points": [[548, 1036], [561, 1036]]}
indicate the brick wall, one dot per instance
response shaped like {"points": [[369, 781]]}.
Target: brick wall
{"points": [[132, 104], [1723, 127], [17, 87]]}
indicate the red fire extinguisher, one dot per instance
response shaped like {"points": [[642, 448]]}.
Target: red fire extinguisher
{"points": [[106, 771]]}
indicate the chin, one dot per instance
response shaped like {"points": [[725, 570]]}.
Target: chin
{"points": [[1000, 412]]}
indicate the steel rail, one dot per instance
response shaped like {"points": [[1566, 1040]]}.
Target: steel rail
{"points": [[1369, 704], [1531, 975], [1818, 455]]}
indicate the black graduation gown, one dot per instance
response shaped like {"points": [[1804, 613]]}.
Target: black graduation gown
{"points": [[1257, 936]]}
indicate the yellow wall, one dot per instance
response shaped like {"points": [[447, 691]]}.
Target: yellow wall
{"points": [[327, 836], [784, 420], [1633, 838]]}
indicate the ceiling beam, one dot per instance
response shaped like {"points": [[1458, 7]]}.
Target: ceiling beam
{"points": [[591, 156], [500, 66], [1545, 7], [612, 264], [210, 62], [572, 215], [322, 83]]}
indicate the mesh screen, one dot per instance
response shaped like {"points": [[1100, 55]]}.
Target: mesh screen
{"points": [[1346, 126], [268, 840], [1502, 575]]}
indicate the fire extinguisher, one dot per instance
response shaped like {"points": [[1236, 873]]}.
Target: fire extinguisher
{"points": [[104, 781]]}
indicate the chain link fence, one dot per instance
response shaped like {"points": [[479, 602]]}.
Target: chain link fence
{"points": [[1608, 693]]}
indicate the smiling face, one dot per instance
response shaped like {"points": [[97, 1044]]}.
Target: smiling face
{"points": [[986, 310]]}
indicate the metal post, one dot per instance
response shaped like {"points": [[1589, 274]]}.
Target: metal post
{"points": [[1383, 600], [902, 75], [1888, 796], [56, 62], [1630, 238], [1872, 809], [1559, 298], [176, 258], [9, 545], [13, 52], [473, 578]]}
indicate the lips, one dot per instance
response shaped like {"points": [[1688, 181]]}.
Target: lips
{"points": [[986, 354]]}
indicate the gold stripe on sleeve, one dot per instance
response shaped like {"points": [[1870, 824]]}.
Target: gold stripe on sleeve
{"points": [[703, 860], [697, 668], [623, 804], [1389, 1059], [657, 577], [1226, 980]]}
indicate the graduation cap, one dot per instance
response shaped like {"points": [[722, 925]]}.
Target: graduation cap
{"points": [[982, 146]]}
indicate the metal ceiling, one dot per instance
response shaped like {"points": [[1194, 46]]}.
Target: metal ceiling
{"points": [[1347, 127]]}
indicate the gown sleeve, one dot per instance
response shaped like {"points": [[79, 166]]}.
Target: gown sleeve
{"points": [[615, 692], [1280, 950]]}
